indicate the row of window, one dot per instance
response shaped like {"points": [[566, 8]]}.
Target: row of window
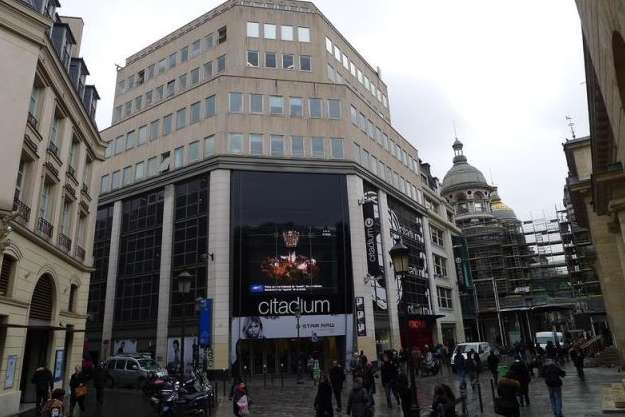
{"points": [[289, 106], [350, 67], [170, 89], [287, 62], [275, 145], [169, 63], [270, 31]]}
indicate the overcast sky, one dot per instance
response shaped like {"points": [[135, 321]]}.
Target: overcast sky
{"points": [[504, 72]]}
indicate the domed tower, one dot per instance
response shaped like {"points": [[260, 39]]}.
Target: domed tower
{"points": [[465, 187], [501, 210]]}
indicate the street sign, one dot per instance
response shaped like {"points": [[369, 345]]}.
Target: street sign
{"points": [[206, 322]]}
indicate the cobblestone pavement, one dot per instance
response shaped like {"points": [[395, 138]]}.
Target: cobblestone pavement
{"points": [[582, 398]]}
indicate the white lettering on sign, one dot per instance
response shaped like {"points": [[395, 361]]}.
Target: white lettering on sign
{"points": [[275, 307]]}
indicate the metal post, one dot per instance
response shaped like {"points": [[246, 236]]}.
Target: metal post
{"points": [[414, 406], [498, 311], [264, 376], [184, 319], [281, 376], [479, 393], [299, 360]]}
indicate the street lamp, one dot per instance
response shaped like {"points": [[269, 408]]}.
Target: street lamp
{"points": [[184, 287], [298, 314]]}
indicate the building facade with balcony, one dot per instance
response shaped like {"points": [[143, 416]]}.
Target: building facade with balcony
{"points": [[252, 148], [50, 150]]}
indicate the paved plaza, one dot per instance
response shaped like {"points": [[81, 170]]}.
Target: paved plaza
{"points": [[582, 398]]}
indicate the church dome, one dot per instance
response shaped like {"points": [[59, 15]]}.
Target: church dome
{"points": [[462, 174], [500, 209]]}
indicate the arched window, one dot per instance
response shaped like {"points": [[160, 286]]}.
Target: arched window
{"points": [[6, 273], [43, 298], [618, 50]]}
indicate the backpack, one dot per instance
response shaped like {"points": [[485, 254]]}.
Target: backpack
{"points": [[552, 379]]}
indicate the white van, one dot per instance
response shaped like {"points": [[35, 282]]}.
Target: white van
{"points": [[482, 348], [543, 337]]}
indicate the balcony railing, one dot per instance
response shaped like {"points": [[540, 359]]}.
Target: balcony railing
{"points": [[44, 227], [53, 149], [64, 242], [71, 171], [79, 253], [23, 211], [32, 120]]}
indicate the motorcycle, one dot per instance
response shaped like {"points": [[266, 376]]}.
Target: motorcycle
{"points": [[190, 399]]}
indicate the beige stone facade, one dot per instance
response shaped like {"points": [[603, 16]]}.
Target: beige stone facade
{"points": [[50, 151]]}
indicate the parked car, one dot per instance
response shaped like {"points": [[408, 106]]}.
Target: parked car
{"points": [[482, 348], [133, 370]]}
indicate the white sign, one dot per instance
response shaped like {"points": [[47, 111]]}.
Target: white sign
{"points": [[122, 346]]}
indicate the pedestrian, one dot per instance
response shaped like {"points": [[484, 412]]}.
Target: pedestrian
{"points": [[369, 378], [77, 384], [443, 402], [389, 373], [470, 368], [550, 351], [360, 402], [240, 401], [507, 390], [316, 371], [493, 365], [477, 361], [337, 378], [54, 406], [100, 377], [521, 373], [403, 389], [323, 399], [459, 367], [577, 357], [43, 381], [553, 379]]}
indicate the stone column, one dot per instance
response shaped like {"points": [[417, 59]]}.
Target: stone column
{"points": [[355, 193], [453, 277], [389, 273], [431, 280], [111, 281], [218, 286], [162, 321]]}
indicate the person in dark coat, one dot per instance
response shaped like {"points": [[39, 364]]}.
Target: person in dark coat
{"points": [[460, 367], [100, 378], [443, 402], [493, 365], [389, 374], [369, 378], [507, 390], [77, 380], [520, 372], [44, 381], [471, 368], [577, 357], [553, 379], [337, 378], [239, 391], [360, 400], [323, 400], [405, 394]]}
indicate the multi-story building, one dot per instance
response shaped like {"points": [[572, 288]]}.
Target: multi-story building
{"points": [[252, 148], [599, 197], [50, 150]]}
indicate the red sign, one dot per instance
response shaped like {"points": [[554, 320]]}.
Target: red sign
{"points": [[417, 324]]}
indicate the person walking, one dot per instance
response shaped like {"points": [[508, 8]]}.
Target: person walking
{"points": [[577, 357], [54, 406], [493, 365], [471, 368], [443, 402], [78, 387], [405, 394], [323, 399], [240, 401], [100, 377], [389, 373], [460, 367], [337, 378], [369, 378], [360, 402], [43, 381], [316, 371], [553, 379], [507, 389], [521, 373]]}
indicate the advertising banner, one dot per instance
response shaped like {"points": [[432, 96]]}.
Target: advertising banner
{"points": [[121, 346], [59, 364], [206, 322], [361, 322], [371, 233], [246, 328], [174, 349]]}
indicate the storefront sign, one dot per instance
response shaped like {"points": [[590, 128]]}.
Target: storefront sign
{"points": [[254, 328], [361, 322], [206, 322], [371, 233], [59, 364]]}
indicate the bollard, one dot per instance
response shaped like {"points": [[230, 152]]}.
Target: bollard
{"points": [[492, 389], [264, 376], [463, 396], [281, 376], [224, 378], [479, 393]]}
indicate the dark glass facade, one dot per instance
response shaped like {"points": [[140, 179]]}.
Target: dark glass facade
{"points": [[101, 249]]}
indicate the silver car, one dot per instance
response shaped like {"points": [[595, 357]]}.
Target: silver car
{"points": [[132, 370]]}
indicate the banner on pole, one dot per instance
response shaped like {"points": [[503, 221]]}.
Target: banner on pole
{"points": [[206, 322]]}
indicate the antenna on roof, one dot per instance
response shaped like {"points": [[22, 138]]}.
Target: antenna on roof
{"points": [[453, 123], [571, 125], [490, 171]]}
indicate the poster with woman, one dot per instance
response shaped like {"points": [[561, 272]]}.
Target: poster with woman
{"points": [[174, 356]]}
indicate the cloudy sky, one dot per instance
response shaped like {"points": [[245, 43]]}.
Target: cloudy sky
{"points": [[505, 73]]}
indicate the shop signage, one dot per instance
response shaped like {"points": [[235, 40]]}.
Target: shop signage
{"points": [[312, 326], [206, 322], [59, 364], [371, 233], [361, 322]]}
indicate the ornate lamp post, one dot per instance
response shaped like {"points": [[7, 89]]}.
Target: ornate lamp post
{"points": [[184, 287]]}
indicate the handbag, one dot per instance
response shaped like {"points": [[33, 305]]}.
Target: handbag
{"points": [[80, 391], [243, 404]]}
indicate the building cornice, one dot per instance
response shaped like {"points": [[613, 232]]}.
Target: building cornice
{"points": [[24, 22]]}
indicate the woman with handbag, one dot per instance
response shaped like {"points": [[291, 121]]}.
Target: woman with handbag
{"points": [[240, 401], [323, 400], [78, 387]]}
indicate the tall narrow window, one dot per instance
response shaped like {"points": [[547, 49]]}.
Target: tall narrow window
{"points": [[67, 218], [287, 61], [222, 35], [256, 144], [210, 106], [253, 29], [334, 109], [256, 103], [221, 64], [270, 60], [195, 48], [143, 134], [252, 58], [195, 76], [19, 184], [167, 124], [297, 146], [152, 166], [276, 104], [131, 139], [208, 70], [277, 145], [314, 108], [172, 60], [317, 147], [105, 184], [195, 112], [139, 171], [235, 103], [194, 151], [181, 118], [296, 107], [337, 148], [154, 130], [117, 180], [184, 54], [209, 146], [235, 143], [127, 176], [179, 157], [304, 62]]}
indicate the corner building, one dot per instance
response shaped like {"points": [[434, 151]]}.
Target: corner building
{"points": [[50, 152], [252, 148]]}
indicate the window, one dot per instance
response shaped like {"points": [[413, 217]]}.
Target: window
{"points": [[256, 103], [359, 76], [181, 118], [270, 59], [222, 35], [345, 62], [117, 115], [253, 29], [304, 63], [337, 148], [352, 68], [437, 236], [172, 60], [337, 53], [131, 139], [373, 163], [167, 124], [297, 146], [149, 72], [235, 143], [296, 107], [286, 33], [131, 82], [117, 180], [209, 42], [276, 104], [331, 73], [303, 34], [209, 146], [109, 150], [208, 70], [148, 98], [171, 88], [440, 266], [256, 144], [370, 129], [287, 61], [269, 31], [120, 145], [154, 130], [105, 184], [444, 297], [277, 145], [127, 176], [252, 58], [314, 108], [334, 108], [221, 64], [194, 151], [182, 82], [138, 103], [195, 48], [195, 112], [195, 76], [364, 158], [128, 108], [139, 171], [356, 152], [152, 166], [162, 66], [235, 103], [210, 106], [159, 92], [328, 45], [184, 54], [317, 147], [354, 115], [381, 169], [179, 157]]}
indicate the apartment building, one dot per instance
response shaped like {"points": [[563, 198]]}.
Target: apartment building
{"points": [[50, 150], [253, 149]]}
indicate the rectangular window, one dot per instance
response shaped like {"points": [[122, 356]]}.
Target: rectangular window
{"points": [[437, 236], [139, 171], [316, 147], [356, 152], [331, 73], [195, 112], [444, 297], [208, 70], [345, 62], [286, 33], [328, 45], [370, 129], [117, 114], [154, 130], [364, 158], [159, 92], [380, 169], [277, 145], [210, 106], [149, 72], [389, 175], [195, 48], [287, 61], [195, 76], [256, 144], [109, 150], [303, 34], [152, 166], [362, 122], [304, 63], [337, 53], [181, 118], [235, 143], [334, 108], [221, 64], [194, 151], [131, 82], [167, 124], [143, 134], [184, 54], [296, 107], [138, 103], [131, 139], [235, 102], [314, 108], [120, 145], [252, 59], [128, 108], [222, 35], [253, 29], [182, 82], [179, 157], [105, 184], [337, 148], [162, 66], [209, 41], [209, 146], [127, 176], [359, 76], [256, 103], [354, 115], [117, 181], [171, 88], [297, 146], [270, 60], [165, 162], [276, 104], [269, 31], [352, 68], [172, 60], [148, 98]]}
